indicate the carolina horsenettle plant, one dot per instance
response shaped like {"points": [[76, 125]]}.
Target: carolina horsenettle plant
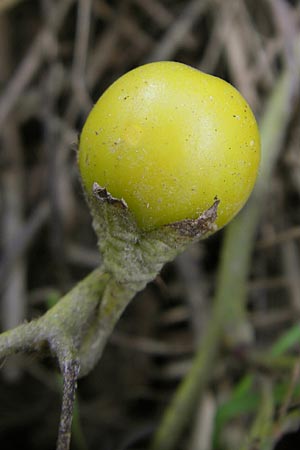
{"points": [[167, 156]]}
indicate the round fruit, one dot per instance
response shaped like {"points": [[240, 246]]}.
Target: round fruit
{"points": [[170, 139]]}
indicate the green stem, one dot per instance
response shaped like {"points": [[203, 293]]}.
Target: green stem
{"points": [[64, 328], [187, 395], [64, 325], [260, 433], [115, 299], [76, 329], [21, 339]]}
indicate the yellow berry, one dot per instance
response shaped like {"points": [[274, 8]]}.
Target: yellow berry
{"points": [[169, 139]]}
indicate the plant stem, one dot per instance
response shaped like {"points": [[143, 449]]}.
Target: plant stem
{"points": [[63, 328], [187, 395], [115, 299], [260, 432], [70, 371], [20, 339]]}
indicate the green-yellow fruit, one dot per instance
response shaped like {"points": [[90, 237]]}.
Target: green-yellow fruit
{"points": [[169, 139]]}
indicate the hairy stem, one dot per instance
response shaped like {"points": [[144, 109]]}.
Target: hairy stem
{"points": [[24, 338], [115, 299], [70, 371]]}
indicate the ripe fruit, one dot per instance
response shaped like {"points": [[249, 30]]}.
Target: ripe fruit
{"points": [[169, 139]]}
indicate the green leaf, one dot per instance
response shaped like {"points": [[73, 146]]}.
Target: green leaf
{"points": [[286, 341]]}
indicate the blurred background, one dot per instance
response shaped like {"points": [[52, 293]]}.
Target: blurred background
{"points": [[56, 59]]}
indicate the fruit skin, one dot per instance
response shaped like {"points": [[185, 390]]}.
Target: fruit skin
{"points": [[169, 139]]}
